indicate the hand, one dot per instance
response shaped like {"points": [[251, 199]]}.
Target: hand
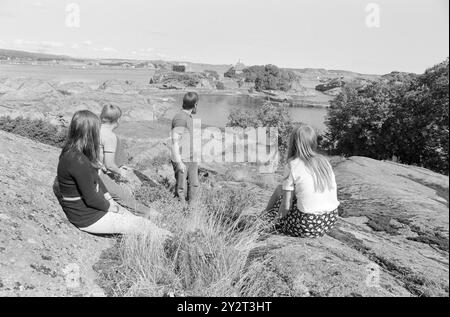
{"points": [[103, 168], [181, 167], [123, 172], [113, 207]]}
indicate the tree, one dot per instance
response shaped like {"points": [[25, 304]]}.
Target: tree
{"points": [[423, 116], [402, 115], [220, 85], [268, 115], [231, 73], [273, 78]]}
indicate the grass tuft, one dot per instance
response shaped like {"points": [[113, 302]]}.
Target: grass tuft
{"points": [[206, 257]]}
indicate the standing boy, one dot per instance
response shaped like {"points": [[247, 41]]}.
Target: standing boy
{"points": [[184, 165]]}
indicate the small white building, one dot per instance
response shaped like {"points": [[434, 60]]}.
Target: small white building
{"points": [[239, 67]]}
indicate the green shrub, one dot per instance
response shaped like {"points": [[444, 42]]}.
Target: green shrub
{"points": [[148, 194], [220, 85], [212, 74], [253, 72], [37, 130], [270, 77], [402, 116], [231, 73], [268, 115]]}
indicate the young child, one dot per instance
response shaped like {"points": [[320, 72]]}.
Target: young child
{"points": [[111, 161], [109, 143], [306, 203]]}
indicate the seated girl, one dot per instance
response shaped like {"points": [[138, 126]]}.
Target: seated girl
{"points": [[81, 193], [306, 203]]}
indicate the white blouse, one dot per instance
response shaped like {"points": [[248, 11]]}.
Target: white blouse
{"points": [[298, 178]]}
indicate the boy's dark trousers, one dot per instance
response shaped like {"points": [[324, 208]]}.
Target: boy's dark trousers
{"points": [[186, 187]]}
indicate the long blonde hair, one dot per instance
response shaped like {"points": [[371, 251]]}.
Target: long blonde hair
{"points": [[303, 145]]}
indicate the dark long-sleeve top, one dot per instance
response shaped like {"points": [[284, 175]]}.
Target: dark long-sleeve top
{"points": [[78, 178]]}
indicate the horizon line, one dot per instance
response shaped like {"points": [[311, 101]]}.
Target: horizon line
{"points": [[213, 64]]}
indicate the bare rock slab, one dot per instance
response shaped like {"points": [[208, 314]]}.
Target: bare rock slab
{"points": [[41, 253], [391, 239]]}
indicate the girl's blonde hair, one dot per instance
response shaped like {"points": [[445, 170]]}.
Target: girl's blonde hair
{"points": [[303, 145]]}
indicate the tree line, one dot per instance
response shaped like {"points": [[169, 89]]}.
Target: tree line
{"points": [[404, 117]]}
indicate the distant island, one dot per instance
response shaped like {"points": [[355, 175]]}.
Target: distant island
{"points": [[307, 87]]}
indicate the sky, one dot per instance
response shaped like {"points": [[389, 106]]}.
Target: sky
{"points": [[373, 37]]}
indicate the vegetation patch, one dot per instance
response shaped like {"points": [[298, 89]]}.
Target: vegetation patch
{"points": [[205, 257], [37, 130], [404, 117], [268, 115]]}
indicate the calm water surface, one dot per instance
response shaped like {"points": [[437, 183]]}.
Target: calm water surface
{"points": [[213, 109]]}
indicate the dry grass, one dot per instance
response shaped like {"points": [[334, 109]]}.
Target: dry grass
{"points": [[206, 257]]}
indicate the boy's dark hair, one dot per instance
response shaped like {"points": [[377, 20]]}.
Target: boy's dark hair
{"points": [[190, 99]]}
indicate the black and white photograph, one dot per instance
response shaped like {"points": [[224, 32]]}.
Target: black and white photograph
{"points": [[230, 150]]}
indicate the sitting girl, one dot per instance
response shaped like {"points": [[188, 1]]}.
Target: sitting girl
{"points": [[312, 210], [81, 193]]}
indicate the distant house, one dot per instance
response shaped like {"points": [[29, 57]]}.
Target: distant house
{"points": [[179, 68], [239, 67]]}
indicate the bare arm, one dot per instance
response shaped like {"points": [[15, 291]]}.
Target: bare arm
{"points": [[288, 187], [110, 163], [176, 137], [109, 154], [286, 203], [176, 155]]}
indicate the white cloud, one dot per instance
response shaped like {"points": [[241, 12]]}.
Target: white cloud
{"points": [[87, 42], [19, 42], [106, 49], [39, 4], [51, 44]]}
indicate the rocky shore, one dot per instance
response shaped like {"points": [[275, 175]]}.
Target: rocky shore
{"points": [[391, 239]]}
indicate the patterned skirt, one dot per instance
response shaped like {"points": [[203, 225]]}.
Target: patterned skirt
{"points": [[300, 224]]}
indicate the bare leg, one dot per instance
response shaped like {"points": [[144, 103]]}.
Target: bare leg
{"points": [[273, 199], [125, 197]]}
